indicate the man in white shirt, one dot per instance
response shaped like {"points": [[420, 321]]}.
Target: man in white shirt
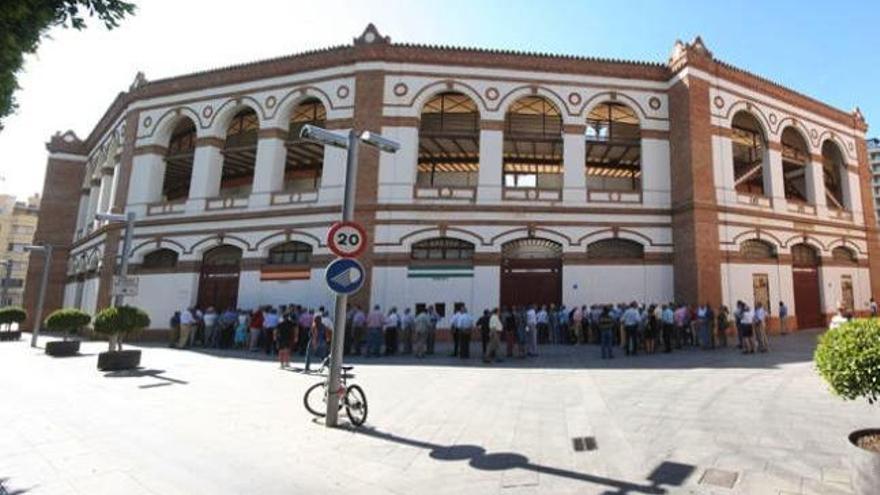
{"points": [[495, 328], [453, 330], [760, 325], [392, 323], [532, 331], [187, 320]]}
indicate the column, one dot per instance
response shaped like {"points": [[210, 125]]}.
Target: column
{"points": [[206, 174], [656, 179], [722, 162], [491, 174], [81, 212], [574, 159], [269, 168], [816, 186], [106, 189], [774, 182], [94, 192], [333, 173], [114, 188], [145, 187], [852, 200], [397, 171]]}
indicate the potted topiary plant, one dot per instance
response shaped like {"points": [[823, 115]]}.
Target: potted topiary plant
{"points": [[117, 323], [848, 358], [8, 316], [68, 321]]}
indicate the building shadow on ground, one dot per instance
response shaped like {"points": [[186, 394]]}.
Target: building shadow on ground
{"points": [[666, 475], [164, 381], [7, 489]]}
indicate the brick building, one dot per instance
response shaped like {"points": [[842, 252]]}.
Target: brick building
{"points": [[521, 178]]}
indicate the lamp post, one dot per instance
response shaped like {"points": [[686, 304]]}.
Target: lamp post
{"points": [[350, 143], [7, 279], [46, 249], [128, 220]]}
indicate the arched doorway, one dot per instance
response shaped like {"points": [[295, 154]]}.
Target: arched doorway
{"points": [[218, 283], [531, 272], [805, 275]]}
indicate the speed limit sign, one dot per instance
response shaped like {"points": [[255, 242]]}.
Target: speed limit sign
{"points": [[347, 239]]}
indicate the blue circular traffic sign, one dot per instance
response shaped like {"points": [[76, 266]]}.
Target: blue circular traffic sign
{"points": [[344, 276]]}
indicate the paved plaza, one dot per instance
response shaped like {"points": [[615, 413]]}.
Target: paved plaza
{"points": [[197, 422]]}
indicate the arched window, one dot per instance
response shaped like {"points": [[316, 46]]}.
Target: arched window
{"points": [[749, 154], [616, 248], [442, 249], [844, 255], [179, 161], [531, 248], [795, 158], [160, 258], [804, 255], [290, 253], [613, 149], [533, 145], [240, 154], [834, 173], [757, 250], [305, 159], [449, 142]]}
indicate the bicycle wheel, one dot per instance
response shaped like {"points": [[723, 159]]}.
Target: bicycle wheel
{"points": [[356, 405], [315, 399]]}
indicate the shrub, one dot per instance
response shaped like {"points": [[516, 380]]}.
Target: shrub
{"points": [[12, 314], [67, 320], [848, 358], [121, 320]]}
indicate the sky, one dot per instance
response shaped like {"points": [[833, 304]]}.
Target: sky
{"points": [[825, 50]]}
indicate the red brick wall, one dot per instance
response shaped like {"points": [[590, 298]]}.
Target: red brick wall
{"points": [[55, 226], [697, 258], [369, 88]]}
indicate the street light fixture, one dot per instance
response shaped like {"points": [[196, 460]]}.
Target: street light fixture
{"points": [[351, 143], [44, 281]]}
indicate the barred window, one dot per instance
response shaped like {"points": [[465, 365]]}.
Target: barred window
{"points": [[290, 253], [160, 258], [756, 249], [443, 248], [615, 249], [844, 255], [804, 255]]}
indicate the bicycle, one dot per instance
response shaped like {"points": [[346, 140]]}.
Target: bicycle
{"points": [[351, 397]]}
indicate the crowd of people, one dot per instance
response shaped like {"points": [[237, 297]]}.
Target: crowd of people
{"points": [[506, 332]]}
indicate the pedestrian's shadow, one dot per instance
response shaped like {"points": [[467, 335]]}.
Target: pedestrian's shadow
{"points": [[144, 372], [669, 474]]}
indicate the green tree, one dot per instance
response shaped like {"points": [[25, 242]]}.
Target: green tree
{"points": [[848, 358], [68, 320], [23, 23]]}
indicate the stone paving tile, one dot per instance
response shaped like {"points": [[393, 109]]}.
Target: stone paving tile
{"points": [[222, 424]]}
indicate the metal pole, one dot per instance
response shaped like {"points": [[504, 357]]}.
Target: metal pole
{"points": [[338, 342], [47, 252], [7, 279], [126, 248]]}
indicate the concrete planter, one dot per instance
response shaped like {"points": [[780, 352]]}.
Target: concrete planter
{"points": [[62, 348], [865, 464], [119, 360], [8, 336]]}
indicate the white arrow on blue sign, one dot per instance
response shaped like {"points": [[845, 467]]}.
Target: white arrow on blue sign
{"points": [[344, 276]]}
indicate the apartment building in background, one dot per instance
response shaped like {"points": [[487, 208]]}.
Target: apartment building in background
{"points": [[18, 221]]}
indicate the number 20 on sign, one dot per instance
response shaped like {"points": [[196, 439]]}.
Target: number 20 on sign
{"points": [[347, 239]]}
